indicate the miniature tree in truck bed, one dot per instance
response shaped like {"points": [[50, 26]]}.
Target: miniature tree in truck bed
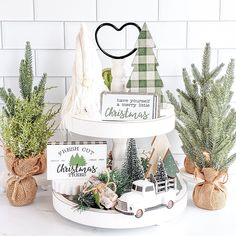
{"points": [[132, 167]]}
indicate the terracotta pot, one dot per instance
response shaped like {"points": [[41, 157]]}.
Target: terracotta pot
{"points": [[33, 164], [189, 166], [210, 194]]}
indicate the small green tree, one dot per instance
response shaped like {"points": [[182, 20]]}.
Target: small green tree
{"points": [[132, 166], [77, 160], [205, 120], [171, 167], [25, 127], [161, 174]]}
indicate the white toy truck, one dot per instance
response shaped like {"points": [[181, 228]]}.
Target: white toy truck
{"points": [[148, 195]]}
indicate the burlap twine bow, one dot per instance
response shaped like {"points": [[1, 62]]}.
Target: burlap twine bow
{"points": [[107, 196], [210, 194], [21, 190], [100, 187]]}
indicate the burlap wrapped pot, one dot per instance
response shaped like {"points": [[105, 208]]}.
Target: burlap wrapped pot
{"points": [[24, 166], [21, 190], [211, 193], [189, 166]]}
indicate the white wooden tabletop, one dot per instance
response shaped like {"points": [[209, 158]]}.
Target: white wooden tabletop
{"points": [[40, 219]]}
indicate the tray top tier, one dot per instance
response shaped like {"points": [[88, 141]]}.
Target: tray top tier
{"points": [[126, 129]]}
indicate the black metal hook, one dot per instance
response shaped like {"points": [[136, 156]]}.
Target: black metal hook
{"points": [[117, 29]]}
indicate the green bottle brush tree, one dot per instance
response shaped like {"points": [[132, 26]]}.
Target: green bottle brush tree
{"points": [[206, 124]]}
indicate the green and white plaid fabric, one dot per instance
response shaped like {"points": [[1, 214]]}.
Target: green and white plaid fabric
{"points": [[145, 77]]}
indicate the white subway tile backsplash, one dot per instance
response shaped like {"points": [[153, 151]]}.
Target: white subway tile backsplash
{"points": [[42, 35], [59, 136], [179, 29], [187, 10], [165, 34], [172, 61], [107, 36], [13, 84], [10, 62], [225, 56], [54, 62], [219, 34], [0, 35], [172, 83], [1, 85], [57, 94], [71, 31], [107, 61], [54, 95], [131, 10], [1, 82], [16, 10], [228, 10], [65, 10]]}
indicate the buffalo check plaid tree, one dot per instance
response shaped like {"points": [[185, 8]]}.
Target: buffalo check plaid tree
{"points": [[145, 77]]}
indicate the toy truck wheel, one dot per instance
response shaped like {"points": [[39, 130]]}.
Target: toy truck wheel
{"points": [[170, 204], [139, 213]]}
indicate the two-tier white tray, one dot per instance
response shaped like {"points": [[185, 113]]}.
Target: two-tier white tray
{"points": [[120, 131]]}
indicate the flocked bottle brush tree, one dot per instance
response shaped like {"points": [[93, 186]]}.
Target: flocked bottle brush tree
{"points": [[206, 124]]}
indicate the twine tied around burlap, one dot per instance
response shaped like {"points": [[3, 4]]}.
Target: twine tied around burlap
{"points": [[23, 166], [210, 194], [21, 190]]}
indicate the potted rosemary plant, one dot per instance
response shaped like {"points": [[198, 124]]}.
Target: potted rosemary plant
{"points": [[25, 126]]}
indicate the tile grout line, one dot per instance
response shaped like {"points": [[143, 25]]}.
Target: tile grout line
{"points": [[158, 10], [3, 82], [96, 10], [219, 10], [126, 40], [186, 34], [33, 10], [64, 34], [1, 33], [109, 49], [35, 65], [66, 88], [121, 21]]}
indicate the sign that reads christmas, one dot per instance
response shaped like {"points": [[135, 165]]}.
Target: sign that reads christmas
{"points": [[129, 106], [75, 160]]}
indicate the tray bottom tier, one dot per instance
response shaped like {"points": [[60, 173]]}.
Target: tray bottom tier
{"points": [[114, 220]]}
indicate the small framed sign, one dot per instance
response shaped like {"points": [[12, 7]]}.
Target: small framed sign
{"points": [[76, 160], [129, 106]]}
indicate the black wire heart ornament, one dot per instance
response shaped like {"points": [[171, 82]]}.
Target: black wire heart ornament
{"points": [[117, 29]]}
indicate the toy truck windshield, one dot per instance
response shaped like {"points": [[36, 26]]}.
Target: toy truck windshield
{"points": [[137, 188]]}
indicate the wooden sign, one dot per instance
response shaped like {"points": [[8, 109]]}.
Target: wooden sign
{"points": [[129, 106], [76, 160]]}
